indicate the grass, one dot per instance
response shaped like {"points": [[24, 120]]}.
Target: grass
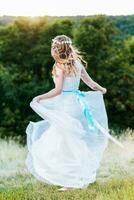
{"points": [[115, 178], [114, 189]]}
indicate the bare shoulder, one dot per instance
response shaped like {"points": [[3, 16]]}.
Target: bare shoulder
{"points": [[59, 65], [59, 69]]}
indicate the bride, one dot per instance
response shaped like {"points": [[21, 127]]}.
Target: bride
{"points": [[65, 148]]}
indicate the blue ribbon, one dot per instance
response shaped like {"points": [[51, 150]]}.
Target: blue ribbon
{"points": [[85, 108]]}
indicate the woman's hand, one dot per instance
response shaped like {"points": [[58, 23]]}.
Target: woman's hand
{"points": [[37, 98], [103, 90]]}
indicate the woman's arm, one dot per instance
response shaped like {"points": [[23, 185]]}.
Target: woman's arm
{"points": [[89, 81], [58, 86]]}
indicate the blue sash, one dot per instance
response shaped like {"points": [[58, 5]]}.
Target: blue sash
{"points": [[85, 108]]}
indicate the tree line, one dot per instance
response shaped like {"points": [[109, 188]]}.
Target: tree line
{"points": [[26, 64]]}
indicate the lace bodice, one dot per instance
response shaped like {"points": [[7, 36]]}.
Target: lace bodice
{"points": [[72, 82]]}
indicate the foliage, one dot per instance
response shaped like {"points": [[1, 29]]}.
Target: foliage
{"points": [[26, 64]]}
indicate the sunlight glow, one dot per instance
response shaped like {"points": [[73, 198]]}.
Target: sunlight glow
{"points": [[65, 8]]}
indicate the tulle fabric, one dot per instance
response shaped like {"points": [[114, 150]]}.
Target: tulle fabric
{"points": [[61, 148]]}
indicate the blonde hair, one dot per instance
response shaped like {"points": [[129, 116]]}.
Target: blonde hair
{"points": [[65, 53]]}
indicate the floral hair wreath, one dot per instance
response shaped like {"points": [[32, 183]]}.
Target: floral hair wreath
{"points": [[62, 42]]}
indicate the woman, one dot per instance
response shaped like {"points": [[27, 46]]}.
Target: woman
{"points": [[66, 147]]}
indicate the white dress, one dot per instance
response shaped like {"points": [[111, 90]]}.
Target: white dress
{"points": [[65, 147]]}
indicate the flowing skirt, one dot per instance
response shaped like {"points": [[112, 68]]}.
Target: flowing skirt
{"points": [[62, 149]]}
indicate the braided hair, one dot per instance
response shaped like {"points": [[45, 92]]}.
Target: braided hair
{"points": [[65, 53]]}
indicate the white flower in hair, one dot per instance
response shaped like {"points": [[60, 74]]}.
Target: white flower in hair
{"points": [[54, 40], [62, 42], [68, 42]]}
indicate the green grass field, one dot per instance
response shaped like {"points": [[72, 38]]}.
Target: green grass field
{"points": [[115, 178]]}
